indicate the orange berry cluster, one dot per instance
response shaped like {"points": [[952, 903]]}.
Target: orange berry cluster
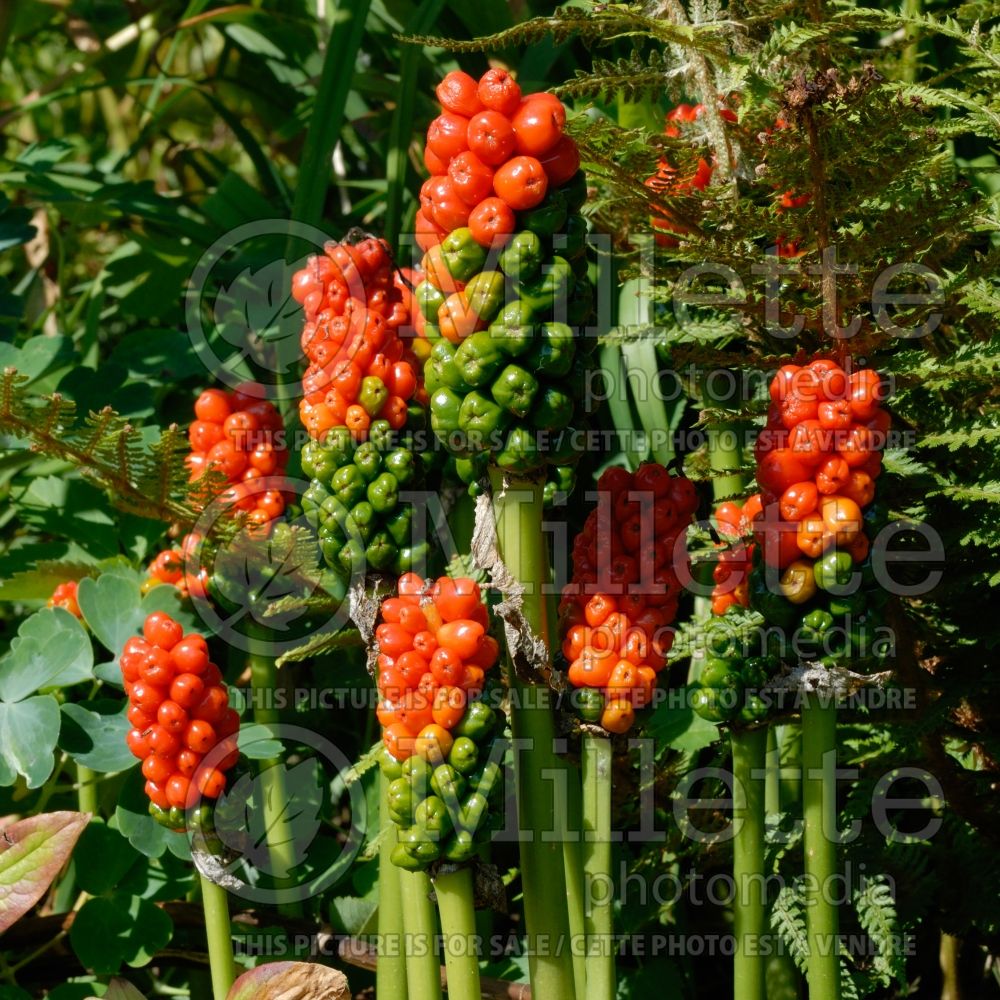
{"points": [[818, 457], [490, 153], [64, 596], [170, 567], [356, 305], [238, 436], [434, 652], [625, 589], [734, 522], [179, 712]]}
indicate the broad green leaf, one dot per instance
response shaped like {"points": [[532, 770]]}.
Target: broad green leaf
{"points": [[110, 673], [28, 733], [111, 606], [139, 828], [32, 853], [37, 356], [108, 933], [290, 979], [14, 993], [102, 858], [51, 650], [678, 727], [93, 734], [168, 599], [256, 742]]}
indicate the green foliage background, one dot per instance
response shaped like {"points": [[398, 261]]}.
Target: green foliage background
{"points": [[133, 138]]}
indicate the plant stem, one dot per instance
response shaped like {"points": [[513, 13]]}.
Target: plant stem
{"points": [[215, 904], [423, 972], [772, 782], [86, 792], [724, 447], [280, 840], [573, 867], [391, 968], [457, 910], [596, 759], [819, 806], [749, 755], [910, 56], [518, 510]]}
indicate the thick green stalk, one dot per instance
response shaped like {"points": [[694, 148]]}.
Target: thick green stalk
{"points": [[215, 904], [280, 840], [910, 56], [724, 446], [573, 867], [522, 545], [641, 368], [391, 968], [749, 756], [772, 781], [423, 971], [457, 909], [819, 806], [596, 759]]}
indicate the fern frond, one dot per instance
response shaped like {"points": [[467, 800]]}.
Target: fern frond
{"points": [[320, 643], [599, 26], [876, 909], [106, 448]]}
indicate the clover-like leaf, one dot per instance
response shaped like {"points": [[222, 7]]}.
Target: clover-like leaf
{"points": [[93, 734], [112, 607], [108, 932], [28, 733], [32, 853], [278, 980], [139, 828], [51, 649]]}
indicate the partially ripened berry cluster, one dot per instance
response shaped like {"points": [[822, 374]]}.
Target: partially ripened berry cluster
{"points": [[64, 596], [505, 285], [434, 651], [818, 457], [179, 712], [240, 437], [360, 370], [615, 613]]}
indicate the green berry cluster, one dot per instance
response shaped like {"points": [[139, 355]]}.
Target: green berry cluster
{"points": [[508, 379], [354, 500]]}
